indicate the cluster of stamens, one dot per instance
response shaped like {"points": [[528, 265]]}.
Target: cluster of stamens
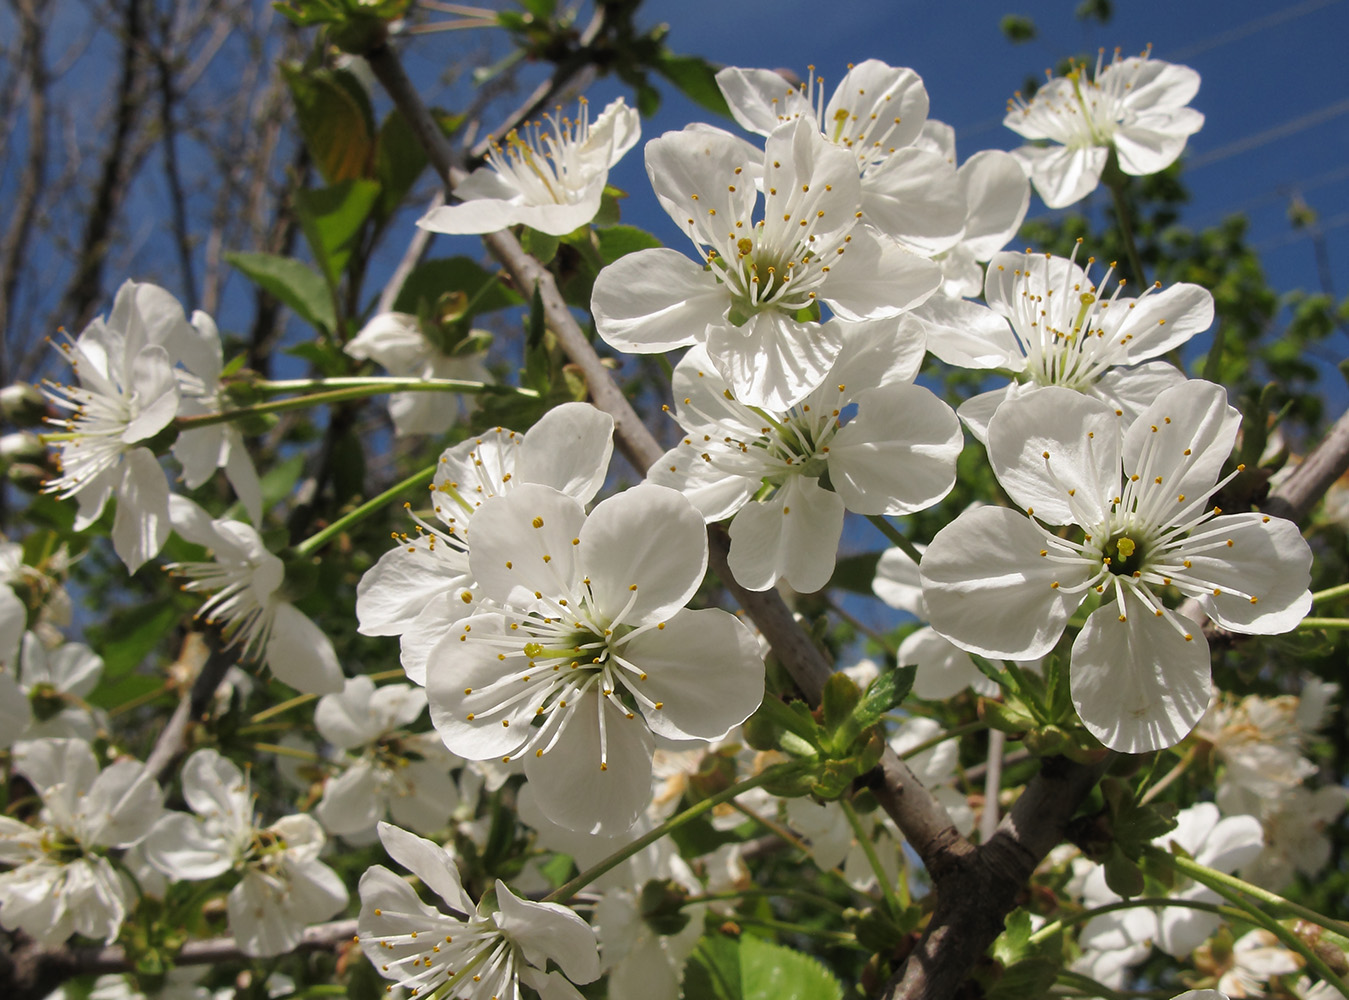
{"points": [[1148, 541], [556, 655], [1063, 330], [542, 161], [1083, 109]]}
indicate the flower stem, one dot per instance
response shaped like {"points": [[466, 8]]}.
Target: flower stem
{"points": [[1234, 891], [296, 752], [1091, 988], [1332, 623], [323, 536], [339, 390], [569, 889], [1049, 930], [892, 533], [1330, 593], [1181, 767], [775, 828], [779, 893], [873, 859], [833, 937], [1114, 181], [951, 734], [1230, 883], [302, 699]]}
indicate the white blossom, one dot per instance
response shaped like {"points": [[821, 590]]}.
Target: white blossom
{"points": [[282, 887], [1135, 107], [1003, 585], [742, 296], [478, 952], [249, 600], [385, 769], [550, 176], [62, 881], [592, 640], [396, 341], [128, 393], [424, 584]]}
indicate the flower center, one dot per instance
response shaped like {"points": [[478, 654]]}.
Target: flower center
{"points": [[1124, 554]]}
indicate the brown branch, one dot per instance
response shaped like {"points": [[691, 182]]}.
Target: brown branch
{"points": [[15, 250], [169, 138], [1307, 484], [85, 289], [31, 972]]}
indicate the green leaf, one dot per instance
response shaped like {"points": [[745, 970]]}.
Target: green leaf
{"points": [[1025, 980], [540, 245], [336, 120], [431, 278], [399, 161], [129, 636], [1011, 945], [294, 282], [841, 696], [713, 970], [883, 695], [696, 78], [772, 972], [332, 218], [278, 481], [1017, 28], [619, 241]]}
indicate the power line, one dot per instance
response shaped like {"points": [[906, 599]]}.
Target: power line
{"points": [[1334, 222], [1258, 139], [1249, 28]]}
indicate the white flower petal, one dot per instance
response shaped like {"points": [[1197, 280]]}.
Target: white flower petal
{"points": [[704, 670], [1137, 684], [571, 786], [645, 551], [898, 454], [792, 536], [988, 589]]}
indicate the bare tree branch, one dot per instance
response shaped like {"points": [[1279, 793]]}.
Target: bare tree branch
{"points": [[85, 288]]}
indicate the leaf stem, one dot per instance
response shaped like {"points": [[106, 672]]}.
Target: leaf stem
{"points": [[1331, 623], [339, 390], [1113, 180]]}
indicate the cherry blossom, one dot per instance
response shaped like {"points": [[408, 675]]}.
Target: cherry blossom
{"points": [[127, 393], [592, 639], [1071, 330], [752, 279], [877, 114], [282, 887], [549, 177], [424, 584], [1003, 585], [1134, 107], [478, 952], [767, 468], [63, 882], [249, 600]]}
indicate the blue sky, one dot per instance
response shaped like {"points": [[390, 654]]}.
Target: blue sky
{"points": [[1275, 90]]}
